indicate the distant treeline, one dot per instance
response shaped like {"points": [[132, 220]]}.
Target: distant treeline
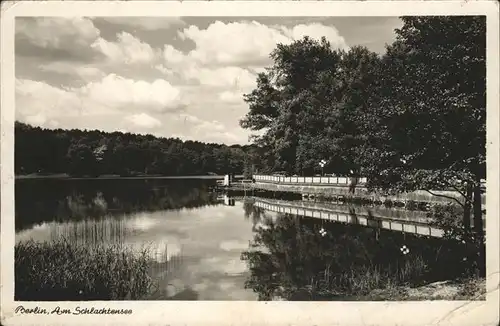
{"points": [[93, 153]]}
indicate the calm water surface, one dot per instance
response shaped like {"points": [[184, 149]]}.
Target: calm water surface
{"points": [[197, 238], [184, 224]]}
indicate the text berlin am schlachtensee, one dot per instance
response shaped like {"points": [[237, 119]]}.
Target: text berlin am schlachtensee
{"points": [[75, 311]]}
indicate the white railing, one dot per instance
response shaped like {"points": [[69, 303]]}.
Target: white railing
{"points": [[408, 226], [309, 180]]}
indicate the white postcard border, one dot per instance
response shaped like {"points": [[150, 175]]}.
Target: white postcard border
{"points": [[244, 312]]}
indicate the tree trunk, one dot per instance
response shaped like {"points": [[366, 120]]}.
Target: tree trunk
{"points": [[478, 211], [478, 228], [467, 207]]}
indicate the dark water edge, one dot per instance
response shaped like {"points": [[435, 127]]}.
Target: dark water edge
{"points": [[118, 177], [62, 200]]}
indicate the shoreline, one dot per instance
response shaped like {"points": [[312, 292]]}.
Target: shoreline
{"points": [[470, 289], [40, 286], [117, 177]]}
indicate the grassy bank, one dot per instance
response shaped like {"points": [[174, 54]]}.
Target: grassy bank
{"points": [[62, 271], [466, 289], [408, 282], [416, 279]]}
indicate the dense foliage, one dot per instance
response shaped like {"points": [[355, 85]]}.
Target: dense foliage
{"points": [[427, 124], [92, 153], [413, 118], [308, 104]]}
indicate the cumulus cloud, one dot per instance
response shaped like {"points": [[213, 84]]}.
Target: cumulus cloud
{"points": [[176, 62], [315, 31], [166, 71], [145, 23], [212, 131], [79, 35], [75, 47], [217, 62], [56, 38], [143, 120], [188, 117], [249, 42], [213, 125], [116, 91], [36, 120], [37, 102], [231, 97], [41, 120], [235, 77], [85, 72], [58, 32], [172, 56], [137, 86], [128, 49]]}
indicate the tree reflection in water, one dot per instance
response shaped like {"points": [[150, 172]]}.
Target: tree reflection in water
{"points": [[40, 201], [252, 212], [289, 259]]}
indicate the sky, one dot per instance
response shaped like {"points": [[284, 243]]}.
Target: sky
{"points": [[167, 76]]}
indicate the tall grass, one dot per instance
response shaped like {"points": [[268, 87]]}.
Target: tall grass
{"points": [[63, 271], [361, 280]]}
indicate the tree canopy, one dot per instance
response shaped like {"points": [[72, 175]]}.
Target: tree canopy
{"points": [[308, 103], [428, 120], [413, 118]]}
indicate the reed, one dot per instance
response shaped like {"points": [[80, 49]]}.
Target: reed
{"points": [[63, 271], [362, 280]]}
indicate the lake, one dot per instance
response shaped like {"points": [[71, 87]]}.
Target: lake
{"points": [[206, 246]]}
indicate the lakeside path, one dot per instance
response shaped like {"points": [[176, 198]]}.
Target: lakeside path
{"points": [[346, 191]]}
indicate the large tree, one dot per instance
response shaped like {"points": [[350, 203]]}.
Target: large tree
{"points": [[427, 127], [308, 105], [284, 106], [350, 105]]}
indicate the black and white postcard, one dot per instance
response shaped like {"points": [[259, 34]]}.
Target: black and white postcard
{"points": [[261, 162]]}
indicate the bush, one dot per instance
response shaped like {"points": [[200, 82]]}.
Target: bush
{"points": [[388, 203], [411, 205], [62, 271]]}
